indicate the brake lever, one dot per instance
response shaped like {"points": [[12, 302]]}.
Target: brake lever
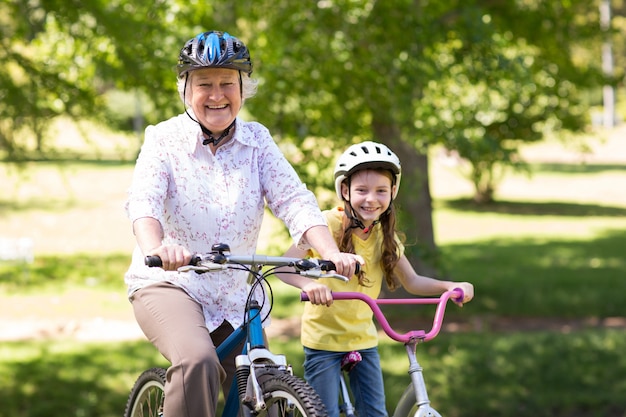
{"points": [[204, 267], [316, 274]]}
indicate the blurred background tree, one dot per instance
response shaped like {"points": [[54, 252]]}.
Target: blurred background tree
{"points": [[478, 77]]}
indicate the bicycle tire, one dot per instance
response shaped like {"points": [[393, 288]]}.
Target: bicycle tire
{"points": [[147, 395], [286, 395], [407, 406]]}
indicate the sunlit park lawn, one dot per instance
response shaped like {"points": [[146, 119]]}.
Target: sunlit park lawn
{"points": [[545, 335]]}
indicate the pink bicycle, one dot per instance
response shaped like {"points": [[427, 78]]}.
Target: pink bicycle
{"points": [[414, 401]]}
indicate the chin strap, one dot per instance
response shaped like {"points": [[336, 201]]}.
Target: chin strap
{"points": [[374, 223], [356, 222], [211, 138]]}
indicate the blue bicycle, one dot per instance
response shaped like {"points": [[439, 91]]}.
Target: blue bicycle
{"points": [[264, 383]]}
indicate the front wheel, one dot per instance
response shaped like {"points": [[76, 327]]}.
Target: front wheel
{"points": [[146, 397], [286, 395], [407, 406]]}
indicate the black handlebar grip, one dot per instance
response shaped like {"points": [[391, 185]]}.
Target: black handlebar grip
{"points": [[153, 261], [330, 266], [327, 265]]}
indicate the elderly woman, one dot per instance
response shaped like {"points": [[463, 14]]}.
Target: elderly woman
{"points": [[204, 177]]}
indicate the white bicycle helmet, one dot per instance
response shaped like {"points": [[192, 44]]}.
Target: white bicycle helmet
{"points": [[366, 155]]}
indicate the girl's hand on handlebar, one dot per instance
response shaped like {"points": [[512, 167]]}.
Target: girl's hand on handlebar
{"points": [[318, 293], [468, 291], [346, 263], [172, 256]]}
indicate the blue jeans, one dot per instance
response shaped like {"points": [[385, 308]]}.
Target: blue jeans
{"points": [[322, 370]]}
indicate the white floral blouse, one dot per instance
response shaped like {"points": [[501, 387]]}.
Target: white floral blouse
{"points": [[202, 199]]}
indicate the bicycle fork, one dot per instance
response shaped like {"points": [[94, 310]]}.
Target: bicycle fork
{"points": [[255, 361], [419, 385]]}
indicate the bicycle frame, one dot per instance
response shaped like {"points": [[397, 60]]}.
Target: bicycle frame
{"points": [[255, 354], [263, 382], [410, 339], [252, 332]]}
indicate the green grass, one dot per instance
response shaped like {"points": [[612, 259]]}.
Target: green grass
{"points": [[516, 374], [65, 378], [528, 277], [51, 273], [539, 374], [543, 278]]}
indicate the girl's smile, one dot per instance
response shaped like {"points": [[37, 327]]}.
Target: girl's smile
{"points": [[369, 194]]}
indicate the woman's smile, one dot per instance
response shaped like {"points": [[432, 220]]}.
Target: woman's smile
{"points": [[215, 97]]}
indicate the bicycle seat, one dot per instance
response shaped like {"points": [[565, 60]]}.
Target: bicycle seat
{"points": [[350, 360]]}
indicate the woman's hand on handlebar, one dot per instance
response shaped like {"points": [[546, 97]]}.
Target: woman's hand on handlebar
{"points": [[346, 263], [172, 256], [318, 293]]}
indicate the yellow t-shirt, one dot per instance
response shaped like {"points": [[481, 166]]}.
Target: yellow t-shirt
{"points": [[347, 324]]}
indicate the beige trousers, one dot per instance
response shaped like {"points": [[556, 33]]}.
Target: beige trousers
{"points": [[174, 324]]}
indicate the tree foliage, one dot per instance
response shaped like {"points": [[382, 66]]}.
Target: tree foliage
{"points": [[64, 55], [480, 78], [500, 86]]}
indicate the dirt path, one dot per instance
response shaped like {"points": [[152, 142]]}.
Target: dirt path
{"points": [[121, 329], [101, 329]]}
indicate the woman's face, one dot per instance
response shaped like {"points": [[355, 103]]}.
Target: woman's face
{"points": [[215, 97], [369, 194]]}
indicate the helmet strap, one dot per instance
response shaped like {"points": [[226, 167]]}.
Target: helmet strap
{"points": [[240, 86], [210, 138], [355, 222]]}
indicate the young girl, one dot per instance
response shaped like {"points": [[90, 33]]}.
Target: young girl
{"points": [[367, 177]]}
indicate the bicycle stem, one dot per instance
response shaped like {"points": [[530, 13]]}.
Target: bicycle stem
{"points": [[416, 374]]}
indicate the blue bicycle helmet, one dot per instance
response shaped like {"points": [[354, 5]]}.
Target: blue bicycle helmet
{"points": [[214, 49]]}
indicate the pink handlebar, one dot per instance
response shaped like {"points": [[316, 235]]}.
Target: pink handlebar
{"points": [[456, 295]]}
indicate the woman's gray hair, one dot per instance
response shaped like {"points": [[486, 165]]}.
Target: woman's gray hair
{"points": [[248, 86]]}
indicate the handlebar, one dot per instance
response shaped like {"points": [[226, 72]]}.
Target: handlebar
{"points": [[456, 295], [154, 261], [221, 259]]}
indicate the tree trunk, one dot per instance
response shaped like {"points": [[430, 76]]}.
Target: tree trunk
{"points": [[414, 202]]}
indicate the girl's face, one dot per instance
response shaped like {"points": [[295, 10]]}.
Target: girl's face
{"points": [[369, 194], [215, 97]]}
